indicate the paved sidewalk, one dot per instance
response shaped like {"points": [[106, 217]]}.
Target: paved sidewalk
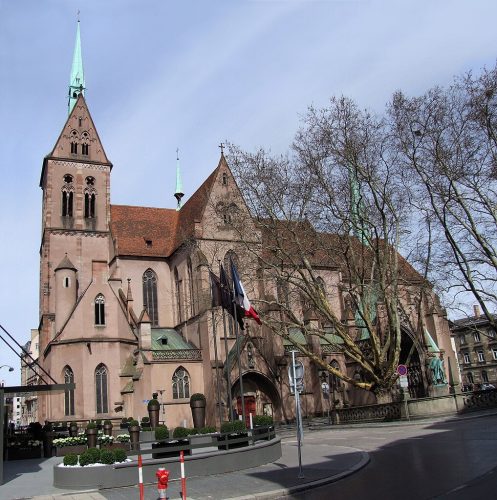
{"points": [[321, 463]]}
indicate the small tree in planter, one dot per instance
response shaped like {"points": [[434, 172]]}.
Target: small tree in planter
{"points": [[91, 434], [73, 429], [124, 423], [145, 424], [134, 433], [197, 405], [153, 408], [108, 428]]}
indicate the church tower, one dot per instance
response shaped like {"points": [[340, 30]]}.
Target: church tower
{"points": [[75, 180]]}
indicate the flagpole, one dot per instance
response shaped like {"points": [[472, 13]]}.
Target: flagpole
{"points": [[238, 356], [227, 362], [218, 390]]}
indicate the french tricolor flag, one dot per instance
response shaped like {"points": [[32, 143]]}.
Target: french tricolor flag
{"points": [[241, 296]]}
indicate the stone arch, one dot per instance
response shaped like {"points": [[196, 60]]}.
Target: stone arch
{"points": [[262, 389], [412, 355]]}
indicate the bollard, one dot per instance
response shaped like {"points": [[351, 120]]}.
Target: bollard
{"points": [[183, 479], [162, 479], [140, 478]]}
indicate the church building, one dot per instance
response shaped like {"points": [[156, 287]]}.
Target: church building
{"points": [[125, 303]]}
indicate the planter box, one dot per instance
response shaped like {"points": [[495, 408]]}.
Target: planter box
{"points": [[265, 429], [222, 445], [147, 435], [65, 450], [23, 453], [115, 446], [206, 443], [170, 454]]}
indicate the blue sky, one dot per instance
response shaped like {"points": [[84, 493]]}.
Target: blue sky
{"points": [[190, 74]]}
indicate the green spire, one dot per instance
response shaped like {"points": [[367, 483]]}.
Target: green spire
{"points": [[77, 80], [179, 185]]}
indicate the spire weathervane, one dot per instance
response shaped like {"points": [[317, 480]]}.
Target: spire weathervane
{"points": [[179, 185]]}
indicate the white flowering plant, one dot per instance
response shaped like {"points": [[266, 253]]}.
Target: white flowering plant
{"points": [[70, 441], [123, 438], [104, 439]]}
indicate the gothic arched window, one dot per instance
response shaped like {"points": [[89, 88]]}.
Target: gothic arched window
{"points": [[68, 394], [90, 197], [67, 196], [334, 380], [191, 287], [181, 384], [150, 296], [100, 309], [177, 288], [101, 389]]}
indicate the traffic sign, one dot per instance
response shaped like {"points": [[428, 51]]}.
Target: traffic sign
{"points": [[402, 370], [325, 387], [404, 383]]}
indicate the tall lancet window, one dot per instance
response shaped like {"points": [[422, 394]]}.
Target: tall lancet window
{"points": [[191, 286], [69, 393], [67, 196], [100, 310], [150, 296], [177, 288], [101, 389], [90, 198]]}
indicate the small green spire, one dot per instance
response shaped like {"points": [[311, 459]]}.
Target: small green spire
{"points": [[179, 185], [77, 79]]}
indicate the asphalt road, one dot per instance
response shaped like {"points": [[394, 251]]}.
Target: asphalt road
{"points": [[446, 460]]}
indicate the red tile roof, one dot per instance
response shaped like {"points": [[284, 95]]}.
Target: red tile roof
{"points": [[158, 232]]}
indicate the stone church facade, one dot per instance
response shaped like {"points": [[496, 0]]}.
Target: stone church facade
{"points": [[125, 300]]}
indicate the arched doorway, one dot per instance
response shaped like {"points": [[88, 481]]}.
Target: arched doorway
{"points": [[260, 395], [409, 356]]}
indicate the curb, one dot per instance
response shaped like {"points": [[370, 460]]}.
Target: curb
{"points": [[284, 492]]}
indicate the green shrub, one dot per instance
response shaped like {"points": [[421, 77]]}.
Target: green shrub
{"points": [[153, 404], [161, 432], [197, 397], [120, 455], [145, 420], [99, 421], [91, 425], [107, 457], [262, 420], [239, 426], [226, 427], [71, 459], [107, 422], [85, 459], [130, 419], [124, 420], [95, 454], [207, 430], [132, 423], [181, 432]]}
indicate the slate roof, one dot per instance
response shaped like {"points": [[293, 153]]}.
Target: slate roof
{"points": [[174, 340]]}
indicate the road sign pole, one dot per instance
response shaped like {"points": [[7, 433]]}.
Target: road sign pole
{"points": [[297, 411]]}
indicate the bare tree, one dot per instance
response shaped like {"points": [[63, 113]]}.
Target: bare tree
{"points": [[446, 143], [332, 217]]}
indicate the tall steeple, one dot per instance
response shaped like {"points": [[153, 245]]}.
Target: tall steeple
{"points": [[77, 79], [179, 185]]}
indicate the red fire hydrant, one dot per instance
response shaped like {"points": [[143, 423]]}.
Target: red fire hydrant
{"points": [[162, 479]]}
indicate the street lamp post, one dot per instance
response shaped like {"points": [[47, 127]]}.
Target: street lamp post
{"points": [[7, 366]]}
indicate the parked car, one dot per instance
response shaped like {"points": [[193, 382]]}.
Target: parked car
{"points": [[487, 387]]}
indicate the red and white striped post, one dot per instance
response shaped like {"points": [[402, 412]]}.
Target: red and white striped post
{"points": [[140, 478], [183, 479]]}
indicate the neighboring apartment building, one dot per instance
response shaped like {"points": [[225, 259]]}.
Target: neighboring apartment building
{"points": [[476, 345]]}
